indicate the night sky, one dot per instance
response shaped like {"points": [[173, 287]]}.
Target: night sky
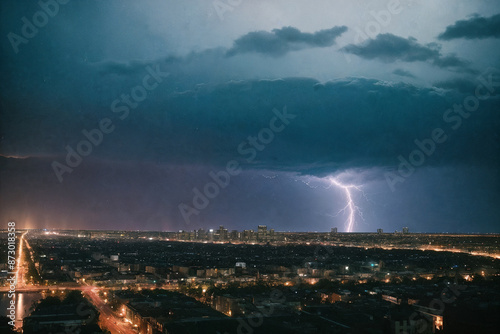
{"points": [[168, 115]]}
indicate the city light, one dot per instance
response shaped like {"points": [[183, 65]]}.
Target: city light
{"points": [[187, 281]]}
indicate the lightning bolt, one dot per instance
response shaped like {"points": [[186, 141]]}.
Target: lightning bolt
{"points": [[350, 207]]}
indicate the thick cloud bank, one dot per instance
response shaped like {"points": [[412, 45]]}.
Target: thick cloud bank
{"points": [[340, 124]]}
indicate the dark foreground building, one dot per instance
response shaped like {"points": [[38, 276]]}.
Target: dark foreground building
{"points": [[70, 315]]}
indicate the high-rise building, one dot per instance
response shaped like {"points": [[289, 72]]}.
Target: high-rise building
{"points": [[406, 230], [222, 233], [262, 233], [380, 231], [251, 235], [245, 235], [334, 230], [201, 234], [271, 234]]}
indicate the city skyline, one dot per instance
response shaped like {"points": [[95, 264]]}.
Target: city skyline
{"points": [[402, 230]]}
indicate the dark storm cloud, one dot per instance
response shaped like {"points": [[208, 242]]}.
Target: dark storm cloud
{"points": [[403, 73], [341, 124], [279, 42], [390, 48], [477, 27]]}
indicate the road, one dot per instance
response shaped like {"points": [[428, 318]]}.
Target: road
{"points": [[107, 319], [21, 266]]}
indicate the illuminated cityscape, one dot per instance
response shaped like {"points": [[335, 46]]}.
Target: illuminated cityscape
{"points": [[173, 282], [250, 167]]}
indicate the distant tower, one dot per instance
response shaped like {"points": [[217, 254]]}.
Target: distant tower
{"points": [[333, 233], [406, 230], [201, 235], [262, 232], [380, 231], [222, 233]]}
